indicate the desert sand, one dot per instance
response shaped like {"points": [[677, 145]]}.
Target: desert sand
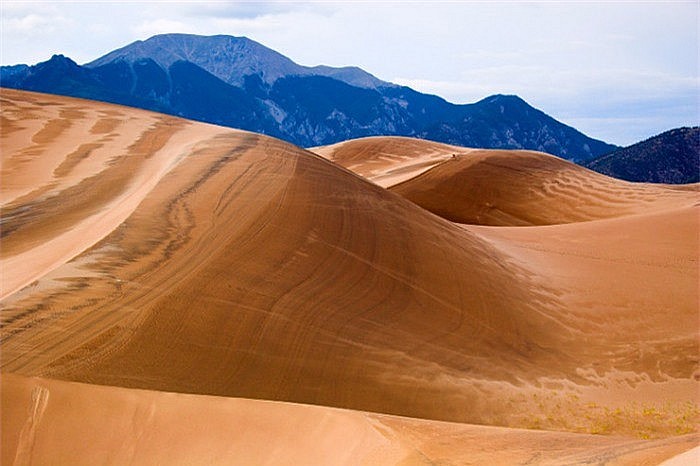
{"points": [[130, 426], [499, 187], [144, 255], [389, 160]]}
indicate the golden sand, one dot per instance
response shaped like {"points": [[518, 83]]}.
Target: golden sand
{"points": [[141, 251]]}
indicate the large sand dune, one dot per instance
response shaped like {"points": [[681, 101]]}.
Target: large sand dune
{"points": [[143, 251], [499, 187]]}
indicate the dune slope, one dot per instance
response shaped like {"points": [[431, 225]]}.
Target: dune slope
{"points": [[622, 258], [498, 187], [72, 172], [255, 269], [210, 261], [387, 161], [49, 421]]}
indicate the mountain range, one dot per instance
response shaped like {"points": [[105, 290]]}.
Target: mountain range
{"points": [[670, 157], [237, 82]]}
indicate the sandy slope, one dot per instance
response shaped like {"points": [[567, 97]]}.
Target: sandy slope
{"points": [[498, 187], [255, 269], [621, 258], [71, 173], [387, 161], [51, 422], [229, 263]]}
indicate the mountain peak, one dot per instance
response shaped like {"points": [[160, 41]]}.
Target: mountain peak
{"points": [[503, 99], [230, 59], [60, 58], [58, 63]]}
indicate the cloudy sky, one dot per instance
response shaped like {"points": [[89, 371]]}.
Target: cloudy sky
{"points": [[618, 71]]}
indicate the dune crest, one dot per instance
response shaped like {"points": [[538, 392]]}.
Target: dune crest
{"points": [[389, 160]]}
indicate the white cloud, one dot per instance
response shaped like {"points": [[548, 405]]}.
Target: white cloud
{"points": [[153, 27], [29, 23], [18, 19], [239, 9]]}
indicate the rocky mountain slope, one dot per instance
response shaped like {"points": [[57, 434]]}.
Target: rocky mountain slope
{"points": [[236, 82], [670, 157]]}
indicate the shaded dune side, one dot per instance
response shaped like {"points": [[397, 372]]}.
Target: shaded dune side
{"points": [[50, 422]]}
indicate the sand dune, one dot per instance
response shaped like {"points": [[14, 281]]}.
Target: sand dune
{"points": [[189, 258], [620, 257], [71, 173], [50, 422], [499, 187], [387, 161], [255, 269]]}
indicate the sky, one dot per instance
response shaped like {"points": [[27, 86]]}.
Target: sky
{"points": [[620, 71]]}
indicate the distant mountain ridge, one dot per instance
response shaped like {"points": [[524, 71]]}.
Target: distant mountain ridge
{"points": [[237, 82], [230, 59], [671, 157]]}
